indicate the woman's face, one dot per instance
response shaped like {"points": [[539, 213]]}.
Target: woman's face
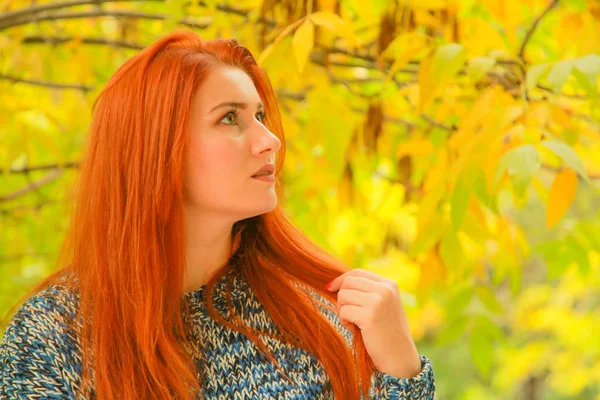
{"points": [[225, 150]]}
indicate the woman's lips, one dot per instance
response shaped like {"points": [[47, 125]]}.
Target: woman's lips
{"points": [[266, 178]]}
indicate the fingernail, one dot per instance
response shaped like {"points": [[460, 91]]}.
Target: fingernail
{"points": [[328, 285]]}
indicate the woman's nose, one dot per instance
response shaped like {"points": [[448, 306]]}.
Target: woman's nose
{"points": [[266, 141]]}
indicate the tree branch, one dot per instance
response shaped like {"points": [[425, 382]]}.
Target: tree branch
{"points": [[570, 96], [33, 186], [87, 40], [27, 11], [534, 27], [8, 17], [438, 124], [26, 170], [48, 84], [98, 13]]}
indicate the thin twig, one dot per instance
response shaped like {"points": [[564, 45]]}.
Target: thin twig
{"points": [[53, 85], [534, 27], [52, 40], [33, 186], [26, 170], [438, 124], [99, 13], [570, 96], [8, 17], [39, 8]]}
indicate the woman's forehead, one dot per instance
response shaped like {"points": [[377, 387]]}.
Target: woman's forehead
{"points": [[226, 85]]}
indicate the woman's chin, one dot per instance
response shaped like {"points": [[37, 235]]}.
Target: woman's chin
{"points": [[267, 207]]}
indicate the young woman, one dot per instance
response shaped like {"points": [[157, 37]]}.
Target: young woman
{"points": [[180, 276]]}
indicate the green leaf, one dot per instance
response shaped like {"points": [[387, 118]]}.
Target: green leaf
{"points": [[490, 328], [460, 200], [589, 65], [534, 74], [451, 251], [453, 330], [427, 237], [576, 5], [489, 300], [585, 83], [480, 189], [522, 161], [568, 155], [559, 73], [482, 350], [459, 301], [447, 61], [479, 66], [515, 280], [302, 43]]}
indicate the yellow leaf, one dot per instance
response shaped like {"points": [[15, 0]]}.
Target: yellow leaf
{"points": [[426, 87], [424, 18], [288, 29], [302, 43], [415, 147], [561, 196], [431, 4], [559, 115], [404, 48], [327, 5], [336, 24], [265, 54]]}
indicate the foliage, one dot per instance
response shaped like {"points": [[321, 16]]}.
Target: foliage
{"points": [[452, 146]]}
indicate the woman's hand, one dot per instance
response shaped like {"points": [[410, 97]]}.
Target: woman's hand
{"points": [[373, 303]]}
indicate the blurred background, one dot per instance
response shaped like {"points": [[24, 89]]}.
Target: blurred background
{"points": [[453, 146]]}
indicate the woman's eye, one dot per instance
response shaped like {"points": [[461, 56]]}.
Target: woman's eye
{"points": [[232, 114], [263, 116]]}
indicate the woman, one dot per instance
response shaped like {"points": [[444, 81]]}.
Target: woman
{"points": [[184, 277]]}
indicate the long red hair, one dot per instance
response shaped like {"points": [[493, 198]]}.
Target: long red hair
{"points": [[124, 247]]}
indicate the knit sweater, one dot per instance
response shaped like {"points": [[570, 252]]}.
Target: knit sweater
{"points": [[40, 358]]}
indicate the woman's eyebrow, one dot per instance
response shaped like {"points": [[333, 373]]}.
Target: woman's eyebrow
{"points": [[243, 106]]}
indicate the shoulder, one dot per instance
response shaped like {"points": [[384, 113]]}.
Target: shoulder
{"points": [[39, 350], [49, 311]]}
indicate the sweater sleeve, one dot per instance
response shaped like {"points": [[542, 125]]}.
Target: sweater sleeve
{"points": [[420, 387], [385, 386], [37, 352]]}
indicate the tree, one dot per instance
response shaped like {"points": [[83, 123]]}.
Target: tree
{"points": [[452, 146]]}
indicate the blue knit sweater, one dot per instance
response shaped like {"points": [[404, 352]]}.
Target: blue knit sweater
{"points": [[40, 358]]}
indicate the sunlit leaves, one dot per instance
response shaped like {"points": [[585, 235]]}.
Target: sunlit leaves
{"points": [[589, 65], [568, 155], [558, 74], [404, 48], [467, 129], [334, 23], [303, 43], [452, 253], [489, 300], [460, 199], [436, 71], [534, 74], [479, 66], [482, 350], [448, 59], [521, 163]]}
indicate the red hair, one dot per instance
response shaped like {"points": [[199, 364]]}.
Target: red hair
{"points": [[125, 241]]}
